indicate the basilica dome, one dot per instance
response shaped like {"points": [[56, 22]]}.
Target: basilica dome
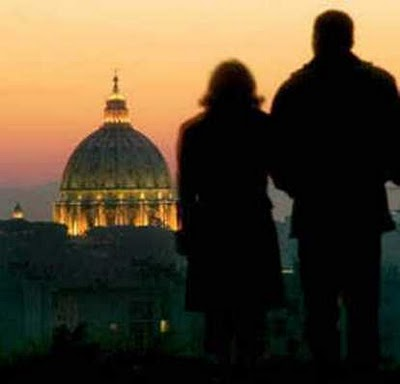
{"points": [[115, 156], [115, 176]]}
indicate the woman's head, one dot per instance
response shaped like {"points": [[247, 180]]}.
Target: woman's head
{"points": [[231, 82]]}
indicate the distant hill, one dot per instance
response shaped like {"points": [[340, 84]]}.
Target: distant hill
{"points": [[36, 201]]}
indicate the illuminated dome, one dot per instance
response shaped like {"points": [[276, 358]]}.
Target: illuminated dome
{"points": [[116, 176], [116, 156]]}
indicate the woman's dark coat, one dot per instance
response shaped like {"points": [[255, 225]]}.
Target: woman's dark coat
{"points": [[227, 230]]}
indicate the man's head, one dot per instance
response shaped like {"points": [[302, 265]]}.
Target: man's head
{"points": [[333, 33]]}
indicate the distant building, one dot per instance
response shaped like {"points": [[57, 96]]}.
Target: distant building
{"points": [[17, 212], [115, 176]]}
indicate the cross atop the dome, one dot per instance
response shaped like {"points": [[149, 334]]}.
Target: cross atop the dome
{"points": [[115, 80]]}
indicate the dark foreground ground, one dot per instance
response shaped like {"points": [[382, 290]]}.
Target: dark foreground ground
{"points": [[87, 366]]}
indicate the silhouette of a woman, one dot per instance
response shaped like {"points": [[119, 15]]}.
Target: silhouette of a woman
{"points": [[227, 230]]}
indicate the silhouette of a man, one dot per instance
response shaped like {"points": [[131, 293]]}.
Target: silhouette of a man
{"points": [[335, 120]]}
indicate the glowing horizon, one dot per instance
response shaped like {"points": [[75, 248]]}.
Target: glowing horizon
{"points": [[59, 57]]}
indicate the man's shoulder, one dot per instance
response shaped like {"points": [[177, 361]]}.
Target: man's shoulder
{"points": [[310, 71], [298, 77], [305, 71], [376, 72]]}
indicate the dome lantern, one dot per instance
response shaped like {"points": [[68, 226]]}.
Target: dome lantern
{"points": [[116, 110]]}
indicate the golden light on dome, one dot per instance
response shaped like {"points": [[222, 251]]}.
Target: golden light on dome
{"points": [[116, 117], [116, 96]]}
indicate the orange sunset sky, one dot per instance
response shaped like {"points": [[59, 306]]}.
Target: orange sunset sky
{"points": [[58, 58]]}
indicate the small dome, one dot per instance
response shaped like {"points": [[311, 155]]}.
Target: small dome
{"points": [[17, 212]]}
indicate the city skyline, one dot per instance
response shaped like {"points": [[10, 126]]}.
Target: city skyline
{"points": [[59, 59]]}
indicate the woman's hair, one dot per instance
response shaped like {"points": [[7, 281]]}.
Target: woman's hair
{"points": [[231, 82]]}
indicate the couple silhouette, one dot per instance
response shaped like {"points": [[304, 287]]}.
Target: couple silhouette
{"points": [[329, 143]]}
